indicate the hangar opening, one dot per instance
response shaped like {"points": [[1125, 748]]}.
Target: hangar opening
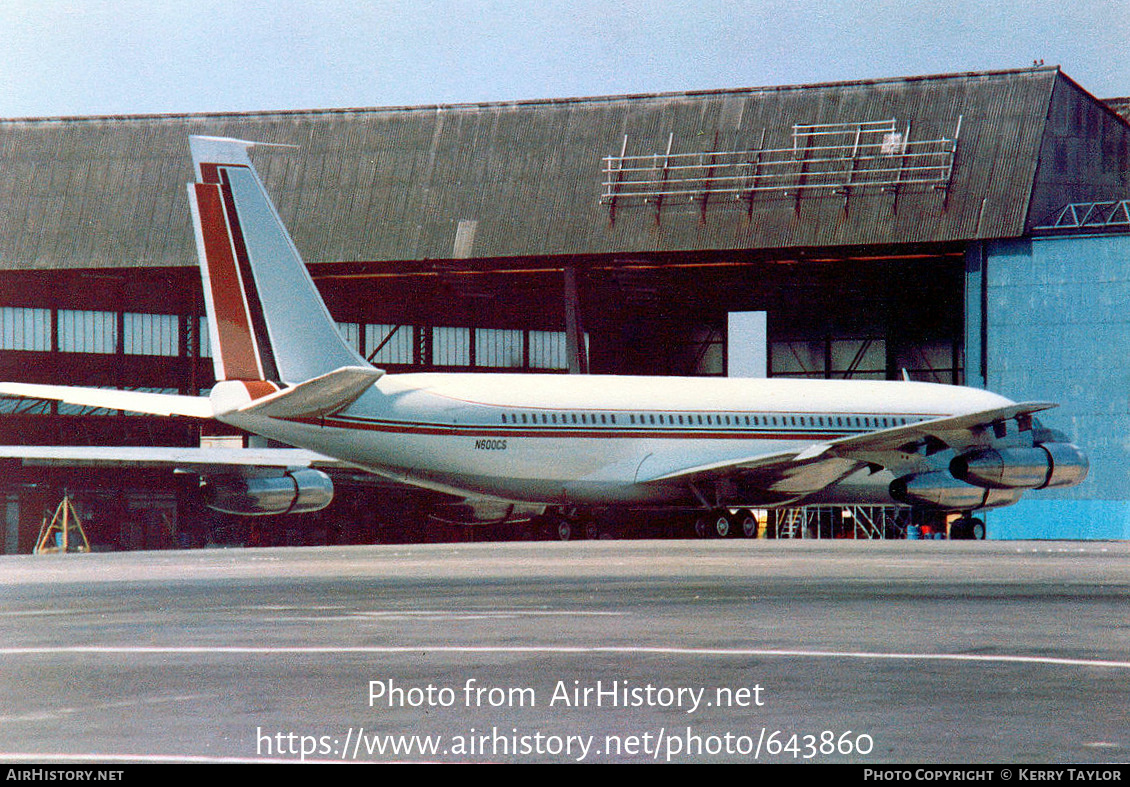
{"points": [[863, 314]]}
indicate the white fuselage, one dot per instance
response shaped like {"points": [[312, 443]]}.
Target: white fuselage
{"points": [[559, 439]]}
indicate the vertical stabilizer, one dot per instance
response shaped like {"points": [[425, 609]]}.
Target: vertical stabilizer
{"points": [[266, 319]]}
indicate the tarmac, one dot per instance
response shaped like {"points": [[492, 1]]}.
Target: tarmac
{"points": [[604, 651]]}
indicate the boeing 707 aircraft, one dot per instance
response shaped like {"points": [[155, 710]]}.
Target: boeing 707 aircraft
{"points": [[517, 445]]}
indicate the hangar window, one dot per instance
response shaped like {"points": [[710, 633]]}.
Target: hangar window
{"points": [[498, 348], [393, 343], [151, 334], [205, 340], [451, 346], [548, 349], [351, 332], [25, 329], [88, 331]]}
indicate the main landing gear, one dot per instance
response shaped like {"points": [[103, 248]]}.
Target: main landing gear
{"points": [[569, 527], [967, 528], [724, 524]]}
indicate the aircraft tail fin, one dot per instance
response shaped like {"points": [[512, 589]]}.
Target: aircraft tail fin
{"points": [[266, 319]]}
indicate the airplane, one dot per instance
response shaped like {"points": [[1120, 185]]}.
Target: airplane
{"points": [[515, 446]]}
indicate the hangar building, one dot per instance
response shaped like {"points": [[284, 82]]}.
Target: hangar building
{"points": [[965, 228]]}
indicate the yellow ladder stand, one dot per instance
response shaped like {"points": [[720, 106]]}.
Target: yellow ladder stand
{"points": [[64, 522]]}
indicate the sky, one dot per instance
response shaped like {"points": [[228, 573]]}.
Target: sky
{"points": [[109, 57]]}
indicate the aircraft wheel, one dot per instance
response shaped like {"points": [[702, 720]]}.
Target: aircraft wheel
{"points": [[592, 530], [701, 528], [749, 524], [721, 525], [960, 529], [977, 529], [564, 530]]}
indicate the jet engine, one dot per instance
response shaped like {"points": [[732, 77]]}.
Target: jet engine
{"points": [[941, 490], [1041, 466], [293, 492]]}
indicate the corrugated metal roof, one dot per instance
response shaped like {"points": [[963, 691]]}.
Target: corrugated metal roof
{"points": [[395, 184], [1119, 105]]}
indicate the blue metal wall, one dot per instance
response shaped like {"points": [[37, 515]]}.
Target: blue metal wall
{"points": [[1054, 316]]}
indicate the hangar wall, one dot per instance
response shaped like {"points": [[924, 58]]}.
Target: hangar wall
{"points": [[1058, 330]]}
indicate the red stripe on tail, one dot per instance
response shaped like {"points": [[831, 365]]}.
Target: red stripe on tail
{"points": [[235, 345]]}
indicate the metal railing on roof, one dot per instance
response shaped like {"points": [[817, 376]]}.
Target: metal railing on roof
{"points": [[837, 158], [1102, 214]]}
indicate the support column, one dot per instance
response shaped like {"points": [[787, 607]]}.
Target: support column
{"points": [[12, 524], [574, 331], [976, 325]]}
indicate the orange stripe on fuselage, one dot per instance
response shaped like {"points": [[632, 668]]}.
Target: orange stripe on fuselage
{"points": [[236, 342]]}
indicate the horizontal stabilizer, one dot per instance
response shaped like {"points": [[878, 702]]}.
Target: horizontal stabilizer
{"points": [[132, 401], [319, 396]]}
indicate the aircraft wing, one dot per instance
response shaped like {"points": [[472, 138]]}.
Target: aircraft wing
{"points": [[816, 466], [132, 401]]}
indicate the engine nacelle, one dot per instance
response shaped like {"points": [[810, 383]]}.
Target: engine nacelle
{"points": [[294, 492], [939, 489], [1038, 467], [484, 511]]}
